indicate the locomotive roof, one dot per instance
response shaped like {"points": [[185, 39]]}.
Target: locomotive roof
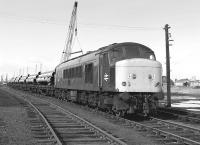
{"points": [[107, 48]]}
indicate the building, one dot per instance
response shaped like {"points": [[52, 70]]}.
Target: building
{"points": [[182, 82], [164, 81], [195, 83]]}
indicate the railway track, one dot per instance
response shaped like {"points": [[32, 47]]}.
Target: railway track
{"points": [[174, 133], [161, 131], [181, 115], [58, 126]]}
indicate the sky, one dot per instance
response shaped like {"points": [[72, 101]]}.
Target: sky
{"points": [[33, 32]]}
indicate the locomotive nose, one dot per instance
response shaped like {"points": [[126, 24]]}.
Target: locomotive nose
{"points": [[138, 75]]}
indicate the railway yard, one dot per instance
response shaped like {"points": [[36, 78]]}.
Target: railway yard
{"points": [[28, 118], [113, 90]]}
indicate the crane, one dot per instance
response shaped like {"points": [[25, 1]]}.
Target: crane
{"points": [[71, 30]]}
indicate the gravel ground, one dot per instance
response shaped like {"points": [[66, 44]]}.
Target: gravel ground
{"points": [[131, 136], [13, 122], [184, 97], [183, 91]]}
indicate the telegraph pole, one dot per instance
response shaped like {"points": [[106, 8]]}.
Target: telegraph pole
{"points": [[2, 79], [168, 65], [6, 78]]}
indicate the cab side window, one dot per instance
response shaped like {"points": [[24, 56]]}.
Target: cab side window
{"points": [[116, 54], [105, 59]]}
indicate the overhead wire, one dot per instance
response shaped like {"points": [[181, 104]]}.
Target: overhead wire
{"points": [[82, 25], [92, 25], [121, 26]]}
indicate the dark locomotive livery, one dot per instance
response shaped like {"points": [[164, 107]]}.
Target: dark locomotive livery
{"points": [[123, 78]]}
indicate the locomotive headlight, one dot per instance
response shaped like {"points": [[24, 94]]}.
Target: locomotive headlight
{"points": [[134, 76], [123, 83], [152, 57], [150, 77]]}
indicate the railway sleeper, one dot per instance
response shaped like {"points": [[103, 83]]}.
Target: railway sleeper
{"points": [[84, 140]]}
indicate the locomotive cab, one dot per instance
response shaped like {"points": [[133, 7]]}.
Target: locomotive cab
{"points": [[112, 56], [133, 51]]}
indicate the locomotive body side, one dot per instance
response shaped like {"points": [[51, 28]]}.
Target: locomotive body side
{"points": [[78, 74]]}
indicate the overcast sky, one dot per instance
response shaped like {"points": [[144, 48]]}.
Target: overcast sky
{"points": [[34, 31]]}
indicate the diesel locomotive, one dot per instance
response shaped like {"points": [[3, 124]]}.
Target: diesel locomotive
{"points": [[124, 78]]}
